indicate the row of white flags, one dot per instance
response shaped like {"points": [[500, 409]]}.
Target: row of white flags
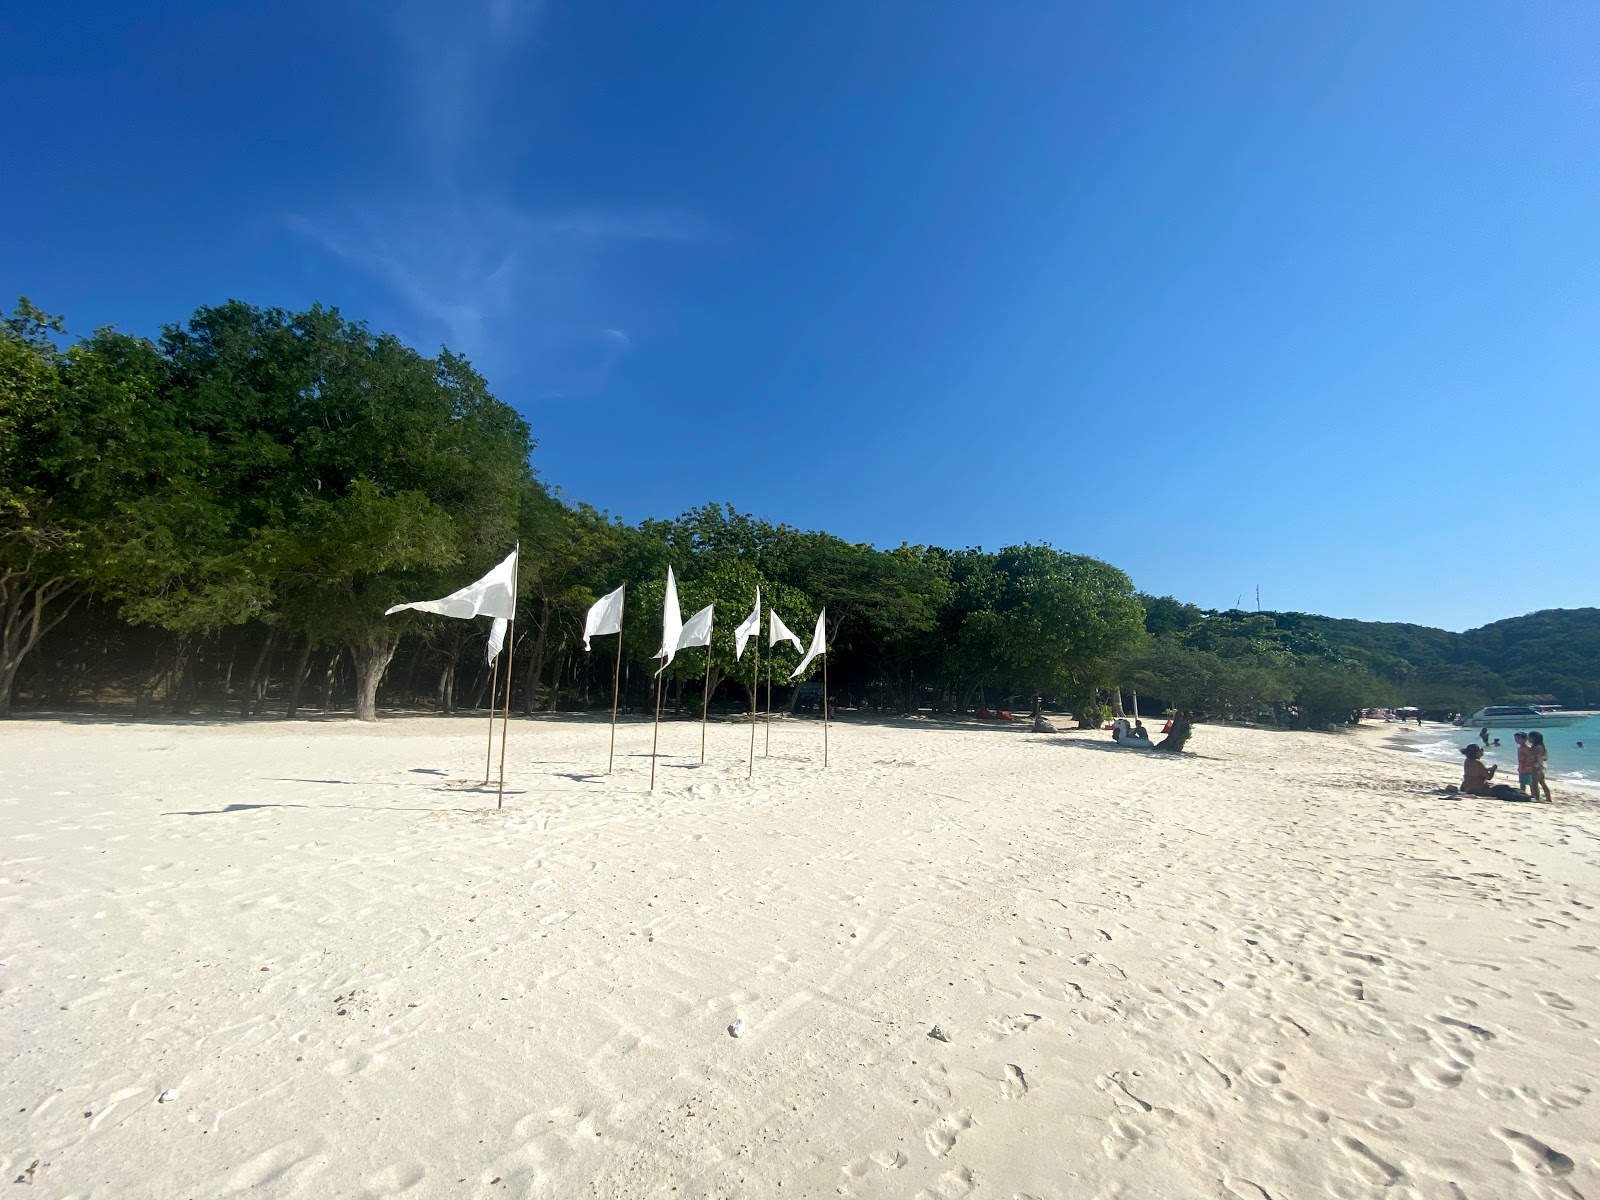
{"points": [[495, 595]]}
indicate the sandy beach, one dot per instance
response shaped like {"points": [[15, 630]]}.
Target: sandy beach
{"points": [[306, 960]]}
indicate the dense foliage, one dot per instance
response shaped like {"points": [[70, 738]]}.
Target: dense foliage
{"points": [[220, 518], [1305, 669]]}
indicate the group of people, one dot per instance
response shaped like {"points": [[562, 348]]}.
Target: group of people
{"points": [[1477, 777]]}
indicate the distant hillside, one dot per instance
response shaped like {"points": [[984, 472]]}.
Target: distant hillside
{"points": [[1552, 655]]}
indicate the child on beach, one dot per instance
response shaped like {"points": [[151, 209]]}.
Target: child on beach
{"points": [[1540, 757], [1525, 763]]}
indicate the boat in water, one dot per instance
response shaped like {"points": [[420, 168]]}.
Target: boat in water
{"points": [[1520, 716]]}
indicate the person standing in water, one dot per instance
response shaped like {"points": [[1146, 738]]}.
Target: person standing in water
{"points": [[1483, 735]]}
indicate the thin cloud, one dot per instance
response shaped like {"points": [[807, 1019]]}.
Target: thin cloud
{"points": [[487, 277], [457, 55]]}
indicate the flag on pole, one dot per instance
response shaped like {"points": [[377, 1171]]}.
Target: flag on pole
{"points": [[779, 632], [697, 629], [495, 595], [497, 639], [605, 616], [750, 627], [671, 624], [819, 644]]}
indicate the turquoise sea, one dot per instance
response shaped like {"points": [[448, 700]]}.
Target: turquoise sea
{"points": [[1569, 763]]}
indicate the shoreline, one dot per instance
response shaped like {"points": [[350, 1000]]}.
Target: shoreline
{"points": [[1442, 734]]}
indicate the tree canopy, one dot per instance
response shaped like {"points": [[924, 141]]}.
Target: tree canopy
{"points": [[232, 506]]}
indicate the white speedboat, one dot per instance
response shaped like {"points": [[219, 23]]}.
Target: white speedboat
{"points": [[1518, 716]]}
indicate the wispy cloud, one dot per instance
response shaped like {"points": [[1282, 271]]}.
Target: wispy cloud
{"points": [[486, 276], [456, 57]]}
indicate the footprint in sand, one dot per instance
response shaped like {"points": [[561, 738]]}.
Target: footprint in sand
{"points": [[1532, 1155], [1267, 1074], [941, 1136], [1434, 1075], [1394, 1097], [1557, 1001], [1015, 1083], [1368, 1165]]}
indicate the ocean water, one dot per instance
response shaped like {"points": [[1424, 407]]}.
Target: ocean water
{"points": [[1568, 764]]}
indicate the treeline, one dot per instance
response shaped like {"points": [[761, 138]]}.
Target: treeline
{"points": [[216, 520], [1250, 664]]}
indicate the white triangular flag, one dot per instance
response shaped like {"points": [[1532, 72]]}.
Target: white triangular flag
{"points": [[819, 644], [497, 639], [779, 632], [749, 628], [671, 624], [697, 629], [605, 616], [495, 595]]}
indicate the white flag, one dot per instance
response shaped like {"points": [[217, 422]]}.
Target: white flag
{"points": [[819, 644], [605, 616], [497, 638], [751, 627], [779, 632], [697, 629], [671, 624], [495, 595]]}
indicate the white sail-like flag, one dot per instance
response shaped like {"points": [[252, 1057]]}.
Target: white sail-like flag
{"points": [[819, 644], [495, 595], [697, 629], [750, 627], [779, 632], [497, 639], [671, 624], [605, 616]]}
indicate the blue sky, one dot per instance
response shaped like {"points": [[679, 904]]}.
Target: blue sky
{"points": [[1298, 295]]}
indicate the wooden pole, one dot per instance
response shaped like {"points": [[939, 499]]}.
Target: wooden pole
{"points": [[505, 719], [755, 692], [767, 752], [616, 682], [656, 736], [824, 704], [494, 692], [705, 705]]}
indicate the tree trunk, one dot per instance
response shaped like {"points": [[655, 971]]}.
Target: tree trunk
{"points": [[1116, 703], [247, 702], [25, 617], [1174, 741], [301, 666], [328, 679], [180, 669], [536, 662], [227, 678], [445, 697], [372, 657], [555, 677]]}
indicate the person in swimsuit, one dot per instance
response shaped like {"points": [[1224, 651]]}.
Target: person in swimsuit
{"points": [[1525, 763], [1540, 757], [1477, 778]]}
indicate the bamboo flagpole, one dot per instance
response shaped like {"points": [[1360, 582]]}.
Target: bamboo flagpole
{"points": [[824, 708], [705, 705], [494, 693], [616, 681], [511, 659], [604, 617], [755, 693], [656, 736], [767, 751], [505, 719]]}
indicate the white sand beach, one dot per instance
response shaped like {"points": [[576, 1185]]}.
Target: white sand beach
{"points": [[298, 960]]}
